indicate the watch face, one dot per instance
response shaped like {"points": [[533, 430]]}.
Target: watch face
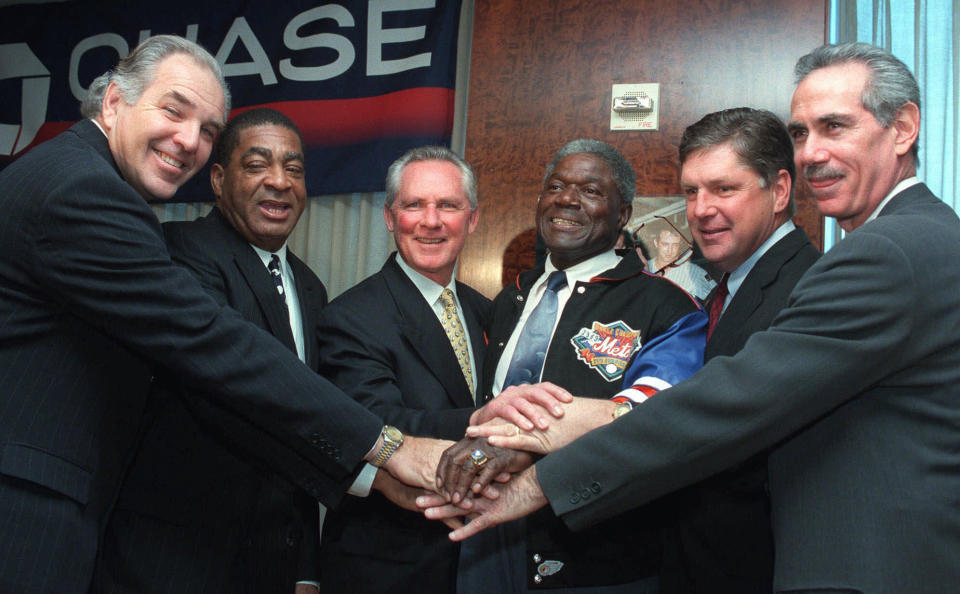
{"points": [[393, 434]]}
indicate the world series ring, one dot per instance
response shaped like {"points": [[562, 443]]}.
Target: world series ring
{"points": [[479, 458]]}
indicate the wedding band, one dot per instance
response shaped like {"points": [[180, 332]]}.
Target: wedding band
{"points": [[517, 427], [479, 458]]}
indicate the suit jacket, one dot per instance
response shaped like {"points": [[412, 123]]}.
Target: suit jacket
{"points": [[857, 382], [193, 515], [382, 343], [721, 541], [89, 302]]}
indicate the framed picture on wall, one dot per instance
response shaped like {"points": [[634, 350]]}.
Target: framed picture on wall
{"points": [[658, 229]]}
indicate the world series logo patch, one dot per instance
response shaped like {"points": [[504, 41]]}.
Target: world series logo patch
{"points": [[606, 348]]}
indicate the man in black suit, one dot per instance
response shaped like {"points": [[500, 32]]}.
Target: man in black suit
{"points": [[737, 173], [384, 343], [193, 516], [855, 385], [90, 303]]}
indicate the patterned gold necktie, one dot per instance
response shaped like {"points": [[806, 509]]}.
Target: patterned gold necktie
{"points": [[458, 339]]}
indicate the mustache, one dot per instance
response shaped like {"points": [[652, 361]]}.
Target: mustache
{"points": [[820, 171]]}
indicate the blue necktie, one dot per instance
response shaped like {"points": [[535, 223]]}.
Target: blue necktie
{"points": [[527, 361]]}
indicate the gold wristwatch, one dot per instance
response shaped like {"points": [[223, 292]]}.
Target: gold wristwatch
{"points": [[392, 439]]}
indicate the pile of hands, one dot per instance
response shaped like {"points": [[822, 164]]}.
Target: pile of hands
{"points": [[488, 476]]}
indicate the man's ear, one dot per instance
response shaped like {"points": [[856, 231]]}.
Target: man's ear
{"points": [[110, 107], [474, 219], [906, 122], [781, 191], [626, 209], [216, 179], [388, 218]]}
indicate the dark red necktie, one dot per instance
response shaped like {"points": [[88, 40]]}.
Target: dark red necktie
{"points": [[716, 306]]}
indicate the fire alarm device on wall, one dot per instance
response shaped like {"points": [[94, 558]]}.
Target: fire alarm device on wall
{"points": [[635, 106]]}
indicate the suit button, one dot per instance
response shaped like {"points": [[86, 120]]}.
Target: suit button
{"points": [[575, 498], [595, 487], [537, 558], [537, 579], [500, 344], [585, 494], [520, 298]]}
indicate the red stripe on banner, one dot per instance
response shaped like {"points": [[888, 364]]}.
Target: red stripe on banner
{"points": [[426, 111]]}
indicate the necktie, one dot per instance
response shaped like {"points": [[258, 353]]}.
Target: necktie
{"points": [[527, 361], [274, 268], [716, 306], [455, 334]]}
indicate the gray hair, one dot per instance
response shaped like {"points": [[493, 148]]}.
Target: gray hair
{"points": [[889, 87], [623, 175], [758, 137], [431, 153], [136, 72]]}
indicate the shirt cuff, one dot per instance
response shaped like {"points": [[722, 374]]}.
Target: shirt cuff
{"points": [[364, 482]]}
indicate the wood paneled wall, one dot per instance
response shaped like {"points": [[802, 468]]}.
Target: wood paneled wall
{"points": [[541, 74]]}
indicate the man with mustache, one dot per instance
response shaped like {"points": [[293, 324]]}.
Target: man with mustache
{"points": [[856, 385]]}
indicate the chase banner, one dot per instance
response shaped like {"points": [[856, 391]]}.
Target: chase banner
{"points": [[364, 80]]}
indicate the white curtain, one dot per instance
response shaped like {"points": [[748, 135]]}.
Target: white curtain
{"points": [[924, 34], [342, 238]]}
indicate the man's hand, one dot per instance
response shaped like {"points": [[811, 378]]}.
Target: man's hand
{"points": [[403, 496], [415, 462], [400, 494], [526, 405], [581, 416], [510, 436], [518, 498], [457, 474]]}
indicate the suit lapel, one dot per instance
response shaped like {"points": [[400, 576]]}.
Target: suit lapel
{"points": [[426, 337], [258, 279], [750, 294], [308, 297]]}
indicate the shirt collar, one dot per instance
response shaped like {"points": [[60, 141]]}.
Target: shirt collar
{"points": [[430, 289], [99, 127], [903, 185], [582, 271], [266, 256], [740, 273]]}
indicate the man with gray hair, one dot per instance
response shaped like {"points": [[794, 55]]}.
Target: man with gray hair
{"points": [[407, 343], [855, 386], [579, 321], [90, 304]]}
